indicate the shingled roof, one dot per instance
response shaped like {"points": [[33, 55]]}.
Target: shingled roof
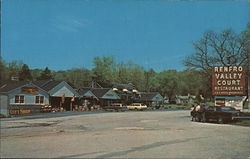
{"points": [[47, 84], [83, 90], [10, 85], [99, 92], [120, 86], [148, 96]]}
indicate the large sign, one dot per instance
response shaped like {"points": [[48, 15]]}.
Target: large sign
{"points": [[229, 80], [30, 90]]}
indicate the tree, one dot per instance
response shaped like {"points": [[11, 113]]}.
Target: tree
{"points": [[149, 80], [136, 77], [3, 71], [24, 74], [13, 69], [36, 73], [104, 69], [214, 49], [168, 83], [46, 74]]}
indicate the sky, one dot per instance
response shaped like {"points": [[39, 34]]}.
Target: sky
{"points": [[66, 34]]}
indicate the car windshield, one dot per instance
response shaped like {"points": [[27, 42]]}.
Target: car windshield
{"points": [[227, 108], [136, 104]]}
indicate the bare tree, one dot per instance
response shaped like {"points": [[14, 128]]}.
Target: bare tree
{"points": [[214, 49]]}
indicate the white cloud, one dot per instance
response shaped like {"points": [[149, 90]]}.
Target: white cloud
{"points": [[69, 24]]}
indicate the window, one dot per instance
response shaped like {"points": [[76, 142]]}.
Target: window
{"points": [[227, 108], [19, 99], [39, 99]]}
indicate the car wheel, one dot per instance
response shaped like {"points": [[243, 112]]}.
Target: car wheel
{"points": [[193, 119], [196, 118], [203, 118], [220, 120]]}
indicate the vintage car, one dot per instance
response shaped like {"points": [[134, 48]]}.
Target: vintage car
{"points": [[137, 106], [220, 114], [115, 107]]}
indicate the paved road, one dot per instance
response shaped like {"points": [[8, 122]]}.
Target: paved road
{"points": [[149, 134]]}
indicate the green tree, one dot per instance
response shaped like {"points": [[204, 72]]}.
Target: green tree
{"points": [[13, 69], [36, 73], [25, 74], [3, 71], [46, 74], [168, 83], [136, 77], [122, 74], [104, 69], [149, 80], [79, 77]]}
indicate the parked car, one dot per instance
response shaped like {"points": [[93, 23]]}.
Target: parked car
{"points": [[220, 114], [137, 106], [115, 107]]}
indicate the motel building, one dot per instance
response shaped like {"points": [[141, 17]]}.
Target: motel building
{"points": [[151, 99], [23, 97], [98, 97], [19, 97], [61, 94]]}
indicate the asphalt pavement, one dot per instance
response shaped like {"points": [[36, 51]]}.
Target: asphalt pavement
{"points": [[132, 134]]}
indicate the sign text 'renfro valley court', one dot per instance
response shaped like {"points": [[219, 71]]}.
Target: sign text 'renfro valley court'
{"points": [[229, 81]]}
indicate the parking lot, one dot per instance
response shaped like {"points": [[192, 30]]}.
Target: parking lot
{"points": [[130, 134]]}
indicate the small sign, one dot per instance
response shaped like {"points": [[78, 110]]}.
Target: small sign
{"points": [[19, 111], [109, 95], [220, 102]]}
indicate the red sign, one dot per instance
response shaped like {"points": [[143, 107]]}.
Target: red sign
{"points": [[109, 95], [228, 80]]}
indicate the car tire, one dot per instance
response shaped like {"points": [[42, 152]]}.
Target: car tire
{"points": [[220, 120], [193, 118], [203, 119], [196, 118]]}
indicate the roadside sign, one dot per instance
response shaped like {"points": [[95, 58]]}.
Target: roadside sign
{"points": [[229, 81]]}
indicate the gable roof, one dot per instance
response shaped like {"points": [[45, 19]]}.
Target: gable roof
{"points": [[47, 84], [120, 86], [99, 92], [83, 90], [10, 85], [148, 96]]}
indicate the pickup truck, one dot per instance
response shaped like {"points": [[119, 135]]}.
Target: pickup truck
{"points": [[220, 114], [115, 107], [137, 106]]}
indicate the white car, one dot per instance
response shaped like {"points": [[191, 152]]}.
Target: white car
{"points": [[137, 106]]}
